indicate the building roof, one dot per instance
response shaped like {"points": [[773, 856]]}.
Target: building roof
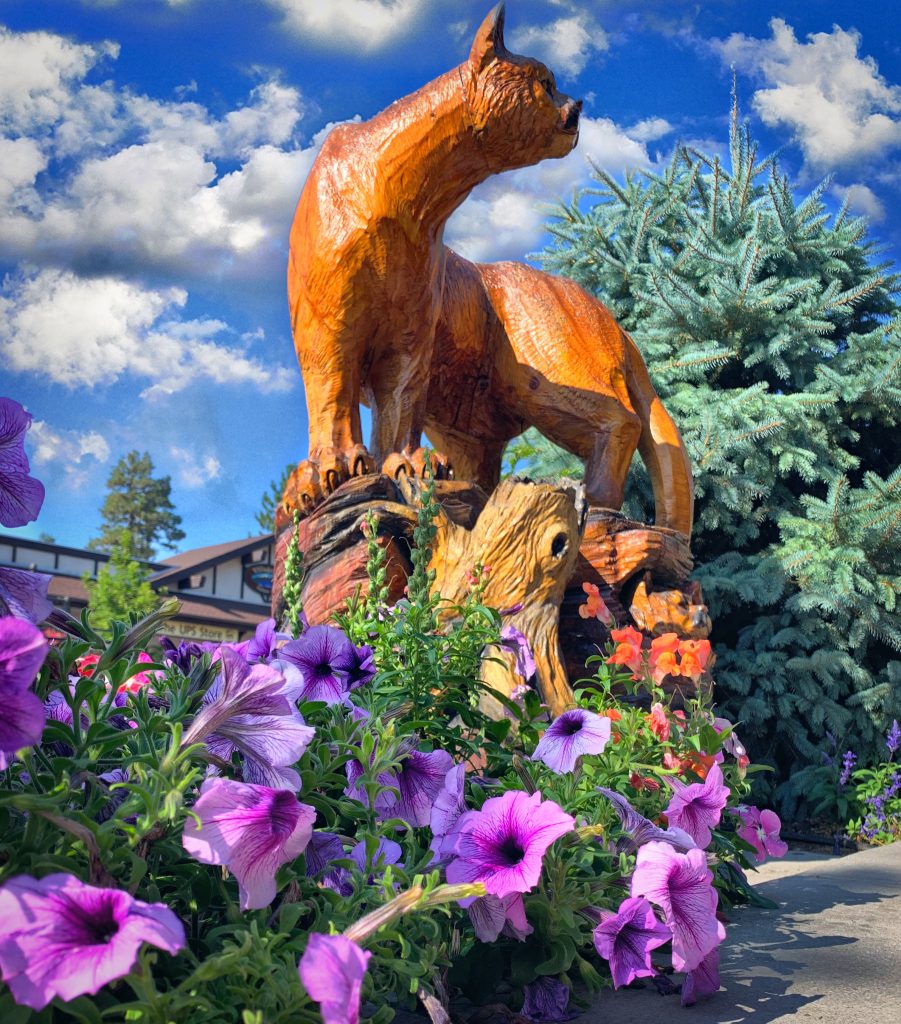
{"points": [[199, 558], [212, 610]]}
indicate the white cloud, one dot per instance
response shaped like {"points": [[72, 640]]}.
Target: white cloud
{"points": [[650, 129], [565, 45], [131, 180], [195, 470], [863, 200], [88, 331], [350, 24], [54, 444], [504, 217], [841, 110], [38, 71]]}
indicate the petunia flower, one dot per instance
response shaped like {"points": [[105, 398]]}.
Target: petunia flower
{"points": [[732, 744], [21, 496], [492, 917], [419, 780], [24, 594], [680, 884], [263, 645], [761, 830], [325, 657], [449, 803], [503, 844], [546, 1000], [322, 849], [386, 852], [363, 669], [625, 940], [250, 709], [517, 642], [640, 829], [183, 656], [252, 830], [332, 969], [703, 981], [594, 607], [696, 807], [22, 652], [568, 737], [628, 649], [62, 938], [658, 723]]}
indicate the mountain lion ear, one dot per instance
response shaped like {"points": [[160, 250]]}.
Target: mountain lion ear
{"points": [[488, 44]]}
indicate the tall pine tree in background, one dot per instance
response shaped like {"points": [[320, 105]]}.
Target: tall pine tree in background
{"points": [[772, 336], [140, 503]]}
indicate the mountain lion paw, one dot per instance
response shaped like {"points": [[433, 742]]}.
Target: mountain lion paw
{"points": [[440, 464], [303, 491], [337, 465]]}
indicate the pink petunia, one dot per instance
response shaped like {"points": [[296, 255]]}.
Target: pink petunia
{"points": [[680, 884], [332, 970], [252, 830], [761, 830], [696, 807], [503, 844]]}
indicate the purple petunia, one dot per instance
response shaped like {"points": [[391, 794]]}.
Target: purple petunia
{"points": [[363, 669], [703, 981], [682, 886], [22, 652], [419, 780], [61, 937], [518, 643], [567, 738], [696, 807], [264, 643], [21, 496], [24, 594], [324, 656], [332, 970], [761, 830], [252, 830], [625, 940], [503, 844], [491, 917], [183, 656], [545, 1001], [323, 848], [250, 708], [640, 829], [449, 805]]}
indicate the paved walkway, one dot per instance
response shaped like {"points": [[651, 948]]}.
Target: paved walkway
{"points": [[831, 953]]}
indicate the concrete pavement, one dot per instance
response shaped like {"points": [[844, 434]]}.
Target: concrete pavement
{"points": [[830, 953]]}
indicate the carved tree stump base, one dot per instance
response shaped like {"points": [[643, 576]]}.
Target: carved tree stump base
{"points": [[540, 548]]}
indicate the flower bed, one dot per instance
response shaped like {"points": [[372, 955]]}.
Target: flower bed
{"points": [[320, 824]]}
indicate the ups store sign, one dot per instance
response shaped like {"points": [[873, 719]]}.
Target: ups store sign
{"points": [[196, 631]]}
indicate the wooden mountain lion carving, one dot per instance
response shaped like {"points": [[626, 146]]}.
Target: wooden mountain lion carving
{"points": [[382, 312]]}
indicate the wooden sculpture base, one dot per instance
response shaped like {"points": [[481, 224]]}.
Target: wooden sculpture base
{"points": [[541, 547]]}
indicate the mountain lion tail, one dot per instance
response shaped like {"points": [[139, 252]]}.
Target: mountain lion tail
{"points": [[661, 448]]}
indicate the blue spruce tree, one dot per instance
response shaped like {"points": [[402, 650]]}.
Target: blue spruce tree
{"points": [[771, 333]]}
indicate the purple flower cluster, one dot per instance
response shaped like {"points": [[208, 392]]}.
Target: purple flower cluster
{"points": [[848, 762], [893, 739]]}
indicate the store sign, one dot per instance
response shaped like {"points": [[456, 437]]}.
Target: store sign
{"points": [[196, 631]]}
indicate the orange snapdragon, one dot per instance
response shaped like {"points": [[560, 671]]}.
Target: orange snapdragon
{"points": [[594, 607], [628, 649], [671, 656]]}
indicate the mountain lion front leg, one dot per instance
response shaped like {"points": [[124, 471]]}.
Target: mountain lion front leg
{"points": [[330, 364], [607, 466]]}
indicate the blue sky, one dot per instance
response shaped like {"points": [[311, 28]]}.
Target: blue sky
{"points": [[152, 152]]}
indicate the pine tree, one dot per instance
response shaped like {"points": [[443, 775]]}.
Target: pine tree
{"points": [[140, 503], [269, 501], [772, 336], [121, 587]]}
